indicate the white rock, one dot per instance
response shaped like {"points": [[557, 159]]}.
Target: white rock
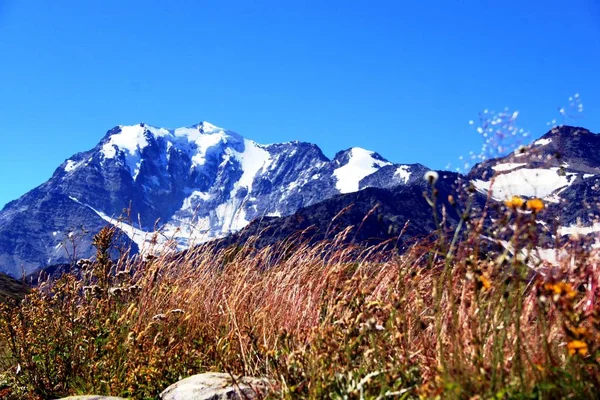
{"points": [[216, 386], [92, 397]]}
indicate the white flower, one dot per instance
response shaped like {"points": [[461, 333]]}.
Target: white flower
{"points": [[431, 177]]}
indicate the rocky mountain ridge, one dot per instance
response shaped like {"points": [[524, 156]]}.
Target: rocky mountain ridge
{"points": [[202, 182], [192, 184]]}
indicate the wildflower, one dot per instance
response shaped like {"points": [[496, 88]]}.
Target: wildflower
{"points": [[514, 202], [535, 205], [431, 177], [577, 346], [577, 331], [539, 367], [485, 282], [560, 289]]}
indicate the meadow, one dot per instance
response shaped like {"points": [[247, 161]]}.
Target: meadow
{"points": [[452, 317]]}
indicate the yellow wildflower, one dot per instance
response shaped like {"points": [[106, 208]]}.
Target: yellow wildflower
{"points": [[535, 205], [577, 346], [578, 330], [561, 288], [539, 367], [514, 202], [485, 282]]}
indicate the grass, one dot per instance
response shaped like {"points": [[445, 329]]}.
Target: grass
{"points": [[449, 318]]}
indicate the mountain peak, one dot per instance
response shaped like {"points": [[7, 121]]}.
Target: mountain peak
{"points": [[343, 156], [355, 164], [200, 182], [563, 132], [206, 126]]}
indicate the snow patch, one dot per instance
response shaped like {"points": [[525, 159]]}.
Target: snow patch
{"points": [[196, 140], [360, 165], [542, 142], [138, 236], [230, 216], [72, 165], [253, 159], [404, 172], [576, 229], [130, 139], [190, 201], [536, 256], [292, 186], [507, 166], [534, 182]]}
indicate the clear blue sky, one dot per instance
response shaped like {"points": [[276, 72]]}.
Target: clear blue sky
{"points": [[399, 77]]}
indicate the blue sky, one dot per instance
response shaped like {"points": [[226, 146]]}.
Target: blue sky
{"points": [[402, 78]]}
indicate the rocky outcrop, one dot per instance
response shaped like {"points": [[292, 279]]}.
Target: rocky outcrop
{"points": [[92, 397], [217, 386]]}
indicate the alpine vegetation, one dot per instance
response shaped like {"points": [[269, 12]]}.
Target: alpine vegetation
{"points": [[398, 282]]}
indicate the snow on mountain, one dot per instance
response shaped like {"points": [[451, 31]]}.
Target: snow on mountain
{"points": [[202, 182], [561, 168], [139, 237], [393, 175], [507, 166], [403, 172], [360, 164], [193, 184], [524, 182], [542, 142]]}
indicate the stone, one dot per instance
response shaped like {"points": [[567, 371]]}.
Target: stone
{"points": [[92, 397], [217, 386]]}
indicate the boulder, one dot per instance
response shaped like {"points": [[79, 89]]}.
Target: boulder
{"points": [[216, 386], [92, 397]]}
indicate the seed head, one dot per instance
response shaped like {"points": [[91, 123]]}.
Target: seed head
{"points": [[431, 177]]}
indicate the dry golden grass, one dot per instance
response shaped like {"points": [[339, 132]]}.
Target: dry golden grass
{"points": [[447, 319]]}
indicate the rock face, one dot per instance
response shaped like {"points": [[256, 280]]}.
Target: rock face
{"points": [[194, 184], [216, 386], [398, 214], [202, 182], [562, 168]]}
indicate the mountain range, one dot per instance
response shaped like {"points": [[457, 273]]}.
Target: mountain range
{"points": [[198, 183]]}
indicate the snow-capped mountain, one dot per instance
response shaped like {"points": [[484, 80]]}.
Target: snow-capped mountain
{"points": [[396, 214], [193, 184], [202, 182], [562, 168]]}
